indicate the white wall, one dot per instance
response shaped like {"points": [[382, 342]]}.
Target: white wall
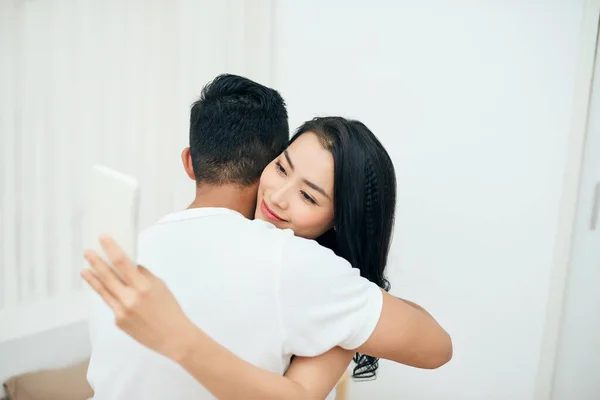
{"points": [[576, 367], [473, 101]]}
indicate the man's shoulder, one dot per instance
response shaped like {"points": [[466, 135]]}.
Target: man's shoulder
{"points": [[306, 256], [262, 230], [289, 241], [232, 228]]}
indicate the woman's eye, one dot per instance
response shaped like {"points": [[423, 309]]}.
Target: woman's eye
{"points": [[308, 198], [280, 168]]}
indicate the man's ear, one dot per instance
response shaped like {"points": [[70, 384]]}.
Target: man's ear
{"points": [[186, 159]]}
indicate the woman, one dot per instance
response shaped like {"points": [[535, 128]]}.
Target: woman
{"points": [[336, 184], [356, 224]]}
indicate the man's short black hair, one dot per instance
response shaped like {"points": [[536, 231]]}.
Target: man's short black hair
{"points": [[237, 128]]}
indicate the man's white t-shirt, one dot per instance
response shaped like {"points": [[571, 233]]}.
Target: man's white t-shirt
{"points": [[259, 291]]}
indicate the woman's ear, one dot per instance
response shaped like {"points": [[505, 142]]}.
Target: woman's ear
{"points": [[186, 159]]}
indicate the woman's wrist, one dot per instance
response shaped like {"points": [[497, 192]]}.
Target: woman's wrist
{"points": [[184, 342]]}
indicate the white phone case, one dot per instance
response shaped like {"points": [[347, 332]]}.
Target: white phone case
{"points": [[113, 209]]}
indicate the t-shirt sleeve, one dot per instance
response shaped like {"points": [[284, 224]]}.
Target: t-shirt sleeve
{"points": [[323, 301]]}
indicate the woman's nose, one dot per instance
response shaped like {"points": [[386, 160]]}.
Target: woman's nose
{"points": [[279, 197]]}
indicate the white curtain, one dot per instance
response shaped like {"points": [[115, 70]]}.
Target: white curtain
{"points": [[111, 82]]}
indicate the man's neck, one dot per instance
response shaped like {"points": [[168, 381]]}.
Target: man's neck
{"points": [[233, 197]]}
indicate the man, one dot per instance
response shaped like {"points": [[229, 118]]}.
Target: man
{"points": [[261, 292]]}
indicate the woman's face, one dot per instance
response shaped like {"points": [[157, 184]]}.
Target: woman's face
{"points": [[296, 189]]}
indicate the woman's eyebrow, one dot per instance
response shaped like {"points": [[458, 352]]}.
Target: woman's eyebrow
{"points": [[317, 188], [289, 160], [309, 183]]}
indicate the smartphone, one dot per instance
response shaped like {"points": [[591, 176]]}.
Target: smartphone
{"points": [[113, 209]]}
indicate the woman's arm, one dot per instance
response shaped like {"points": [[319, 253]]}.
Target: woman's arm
{"points": [[319, 375], [146, 310], [227, 376]]}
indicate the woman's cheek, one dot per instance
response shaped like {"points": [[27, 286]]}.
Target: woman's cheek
{"points": [[267, 179], [310, 222]]}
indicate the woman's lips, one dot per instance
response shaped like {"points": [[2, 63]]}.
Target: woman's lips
{"points": [[267, 212]]}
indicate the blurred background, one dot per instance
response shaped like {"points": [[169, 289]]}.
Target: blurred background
{"points": [[488, 109]]}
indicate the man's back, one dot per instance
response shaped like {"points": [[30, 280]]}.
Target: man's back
{"points": [[215, 263], [257, 290]]}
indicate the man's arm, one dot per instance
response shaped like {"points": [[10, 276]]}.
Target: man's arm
{"points": [[325, 302], [408, 334]]}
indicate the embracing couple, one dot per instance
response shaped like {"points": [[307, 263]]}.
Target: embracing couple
{"points": [[273, 279]]}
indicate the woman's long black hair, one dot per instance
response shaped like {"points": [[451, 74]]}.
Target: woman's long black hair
{"points": [[364, 204]]}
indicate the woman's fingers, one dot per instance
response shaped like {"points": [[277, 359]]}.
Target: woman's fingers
{"points": [[144, 272], [90, 277], [117, 257], [107, 276]]}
